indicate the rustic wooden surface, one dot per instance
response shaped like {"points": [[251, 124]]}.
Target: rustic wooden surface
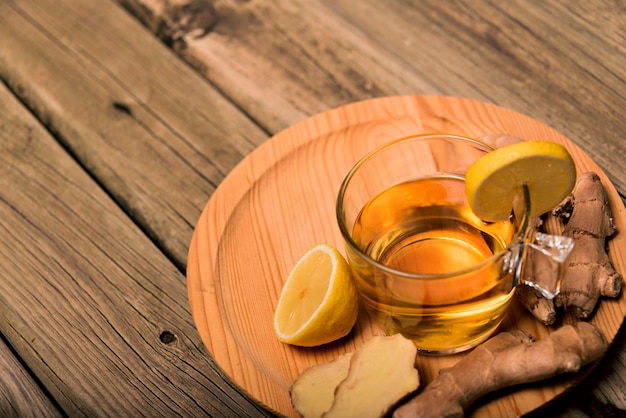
{"points": [[119, 119]]}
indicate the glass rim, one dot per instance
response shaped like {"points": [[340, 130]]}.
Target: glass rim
{"points": [[518, 235]]}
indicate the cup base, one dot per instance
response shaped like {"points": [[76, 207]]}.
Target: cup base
{"points": [[444, 331], [456, 350]]}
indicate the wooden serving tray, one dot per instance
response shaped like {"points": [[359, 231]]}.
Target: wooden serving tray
{"points": [[280, 200]]}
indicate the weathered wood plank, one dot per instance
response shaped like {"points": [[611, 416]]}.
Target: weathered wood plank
{"points": [[93, 308], [282, 61], [285, 60], [20, 395], [145, 125]]}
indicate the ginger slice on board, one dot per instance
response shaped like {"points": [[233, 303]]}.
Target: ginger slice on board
{"points": [[366, 383]]}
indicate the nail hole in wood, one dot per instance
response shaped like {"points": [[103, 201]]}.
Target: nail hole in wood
{"points": [[122, 107], [167, 337]]}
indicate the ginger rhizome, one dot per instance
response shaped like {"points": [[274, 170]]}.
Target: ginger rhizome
{"points": [[507, 359], [537, 266], [366, 383], [541, 308], [588, 272]]}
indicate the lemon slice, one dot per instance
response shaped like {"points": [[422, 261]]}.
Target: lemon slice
{"points": [[319, 302], [493, 180]]}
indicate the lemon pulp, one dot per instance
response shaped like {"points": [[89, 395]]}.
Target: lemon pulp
{"points": [[493, 180], [319, 302]]}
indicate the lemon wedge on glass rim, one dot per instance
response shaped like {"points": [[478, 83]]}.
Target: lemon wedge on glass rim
{"points": [[493, 180], [319, 302]]}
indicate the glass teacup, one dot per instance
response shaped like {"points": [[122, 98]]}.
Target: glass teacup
{"points": [[424, 264]]}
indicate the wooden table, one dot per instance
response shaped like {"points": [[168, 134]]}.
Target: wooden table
{"points": [[118, 120]]}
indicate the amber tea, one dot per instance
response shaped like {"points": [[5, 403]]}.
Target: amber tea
{"points": [[424, 264], [425, 228]]}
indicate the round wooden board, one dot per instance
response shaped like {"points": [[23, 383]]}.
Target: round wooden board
{"points": [[280, 200]]}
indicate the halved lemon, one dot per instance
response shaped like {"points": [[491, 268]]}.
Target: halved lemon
{"points": [[493, 180], [319, 302]]}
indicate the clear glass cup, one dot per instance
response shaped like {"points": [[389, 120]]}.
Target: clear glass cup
{"points": [[424, 264]]}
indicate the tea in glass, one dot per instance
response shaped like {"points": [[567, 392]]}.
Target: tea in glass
{"points": [[425, 227], [424, 264]]}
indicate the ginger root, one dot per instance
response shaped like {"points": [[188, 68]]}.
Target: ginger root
{"points": [[537, 265], [587, 273], [366, 383], [507, 359], [540, 307]]}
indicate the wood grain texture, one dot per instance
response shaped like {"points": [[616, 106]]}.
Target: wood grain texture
{"points": [[158, 137], [285, 60], [20, 395], [96, 312], [281, 201], [153, 133]]}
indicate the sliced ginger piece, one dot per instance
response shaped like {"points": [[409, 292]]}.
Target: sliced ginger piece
{"points": [[382, 372], [313, 392]]}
